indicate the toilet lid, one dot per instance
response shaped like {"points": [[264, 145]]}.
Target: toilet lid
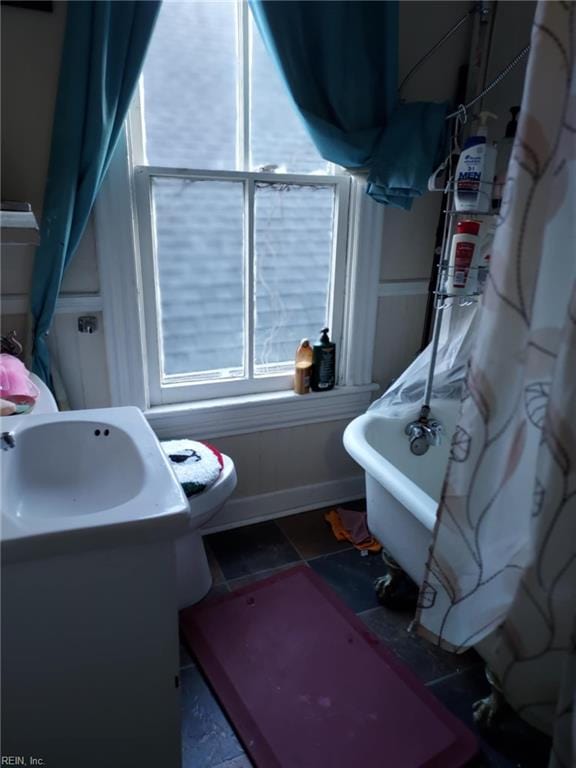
{"points": [[197, 465]]}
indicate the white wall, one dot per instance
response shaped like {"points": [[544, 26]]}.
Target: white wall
{"points": [[273, 465], [511, 33], [31, 45]]}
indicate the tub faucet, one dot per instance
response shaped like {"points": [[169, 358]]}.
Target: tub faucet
{"points": [[423, 432], [7, 440]]}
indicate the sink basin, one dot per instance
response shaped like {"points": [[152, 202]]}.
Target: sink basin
{"points": [[73, 468], [90, 473]]}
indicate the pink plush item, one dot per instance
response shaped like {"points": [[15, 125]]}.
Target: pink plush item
{"points": [[15, 383]]}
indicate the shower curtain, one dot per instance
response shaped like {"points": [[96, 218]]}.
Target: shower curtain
{"points": [[502, 566]]}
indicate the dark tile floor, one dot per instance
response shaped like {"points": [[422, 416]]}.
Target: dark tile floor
{"points": [[248, 554]]}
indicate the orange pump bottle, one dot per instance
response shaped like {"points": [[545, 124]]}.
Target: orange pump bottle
{"points": [[303, 368]]}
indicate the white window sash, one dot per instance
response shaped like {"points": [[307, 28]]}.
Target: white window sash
{"points": [[243, 84], [164, 390], [249, 256]]}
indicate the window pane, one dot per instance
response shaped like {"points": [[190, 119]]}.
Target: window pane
{"points": [[190, 86], [293, 241], [278, 134], [199, 233]]}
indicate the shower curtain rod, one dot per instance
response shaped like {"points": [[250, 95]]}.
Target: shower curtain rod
{"points": [[463, 108]]}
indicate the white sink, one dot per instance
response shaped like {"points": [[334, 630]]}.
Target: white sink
{"points": [[92, 473]]}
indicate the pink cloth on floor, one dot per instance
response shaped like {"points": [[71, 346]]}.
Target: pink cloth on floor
{"points": [[350, 525], [354, 521]]}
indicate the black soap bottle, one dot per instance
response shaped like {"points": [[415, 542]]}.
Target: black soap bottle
{"points": [[323, 375]]}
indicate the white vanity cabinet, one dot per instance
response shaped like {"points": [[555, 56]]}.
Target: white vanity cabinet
{"points": [[90, 659]]}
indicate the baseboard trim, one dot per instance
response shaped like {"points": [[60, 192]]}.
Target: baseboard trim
{"points": [[268, 506]]}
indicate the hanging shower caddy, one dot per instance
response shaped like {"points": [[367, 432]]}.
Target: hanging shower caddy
{"points": [[427, 430]]}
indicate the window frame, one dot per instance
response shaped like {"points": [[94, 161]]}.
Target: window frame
{"points": [[181, 389], [125, 310], [165, 390], [123, 313]]}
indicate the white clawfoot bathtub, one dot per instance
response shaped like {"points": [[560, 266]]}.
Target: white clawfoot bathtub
{"points": [[402, 490]]}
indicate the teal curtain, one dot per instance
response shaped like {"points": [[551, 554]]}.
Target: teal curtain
{"points": [[104, 47], [410, 149], [340, 63]]}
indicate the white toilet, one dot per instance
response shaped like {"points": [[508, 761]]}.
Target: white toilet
{"points": [[193, 572]]}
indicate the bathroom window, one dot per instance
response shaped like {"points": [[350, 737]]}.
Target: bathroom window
{"points": [[242, 226]]}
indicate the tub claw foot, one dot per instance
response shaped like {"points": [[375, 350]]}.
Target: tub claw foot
{"points": [[490, 711], [396, 590], [385, 589], [485, 712]]}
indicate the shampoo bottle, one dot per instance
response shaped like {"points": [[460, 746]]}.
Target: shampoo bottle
{"points": [[475, 171], [303, 368], [324, 368], [461, 273]]}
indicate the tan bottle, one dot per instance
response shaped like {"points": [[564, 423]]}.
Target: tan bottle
{"points": [[303, 368]]}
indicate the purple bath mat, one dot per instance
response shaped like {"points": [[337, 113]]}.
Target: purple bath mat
{"points": [[306, 685]]}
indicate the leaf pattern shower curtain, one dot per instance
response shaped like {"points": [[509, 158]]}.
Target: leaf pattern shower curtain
{"points": [[502, 566]]}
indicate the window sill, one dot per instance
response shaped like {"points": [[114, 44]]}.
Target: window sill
{"points": [[256, 413]]}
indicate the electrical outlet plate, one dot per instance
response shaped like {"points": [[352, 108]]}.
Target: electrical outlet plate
{"points": [[87, 324]]}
